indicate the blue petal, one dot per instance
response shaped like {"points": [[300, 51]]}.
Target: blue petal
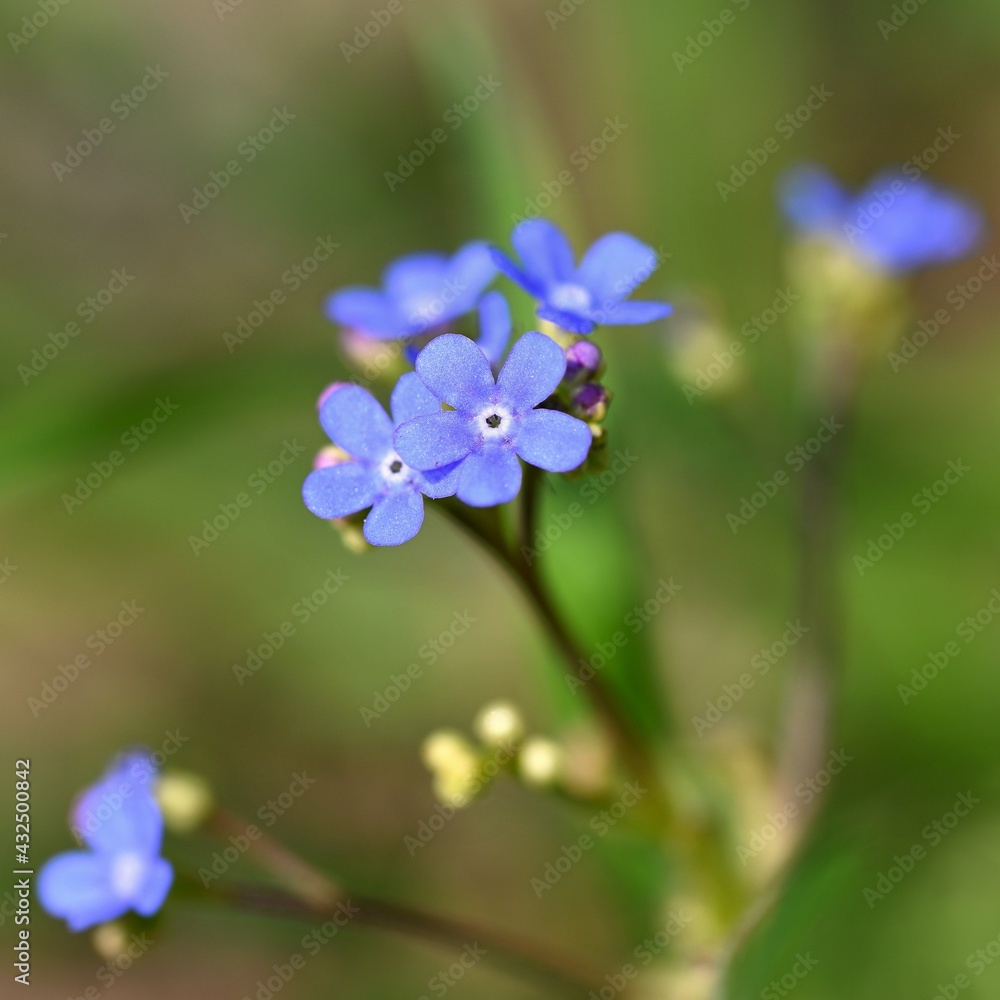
{"points": [[494, 326], [468, 273], [614, 267], [533, 370], [339, 490], [552, 440], [545, 252], [507, 267], [115, 815], [76, 887], [457, 372], [812, 199], [367, 310], [355, 421], [153, 891], [633, 313], [443, 482], [395, 518], [573, 322], [411, 398], [490, 477], [434, 441]]}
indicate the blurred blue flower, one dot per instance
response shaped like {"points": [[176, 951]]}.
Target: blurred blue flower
{"points": [[374, 475], [580, 298], [493, 422], [899, 223], [420, 292], [121, 824]]}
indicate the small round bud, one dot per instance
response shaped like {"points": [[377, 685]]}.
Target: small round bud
{"points": [[110, 940], [583, 361], [590, 402], [184, 799], [499, 723], [443, 748], [540, 761]]}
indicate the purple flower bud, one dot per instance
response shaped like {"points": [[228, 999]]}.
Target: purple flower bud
{"points": [[583, 360], [591, 402]]}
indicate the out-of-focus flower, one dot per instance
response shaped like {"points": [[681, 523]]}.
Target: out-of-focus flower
{"points": [[595, 293], [121, 823], [492, 422], [419, 292], [897, 223], [374, 475]]}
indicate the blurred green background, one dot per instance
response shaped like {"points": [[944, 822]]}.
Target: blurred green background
{"points": [[227, 67]]}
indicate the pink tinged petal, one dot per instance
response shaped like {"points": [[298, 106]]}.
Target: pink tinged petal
{"points": [[434, 441], [340, 490], [533, 370], [355, 421], [615, 265], [152, 892], [457, 372], [364, 309], [632, 313], [76, 887], [545, 253], [115, 815], [489, 477], [411, 398], [552, 440], [395, 518]]}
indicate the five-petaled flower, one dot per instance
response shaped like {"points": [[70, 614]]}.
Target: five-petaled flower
{"points": [[580, 298], [898, 223], [492, 421], [375, 475], [120, 822], [421, 292]]}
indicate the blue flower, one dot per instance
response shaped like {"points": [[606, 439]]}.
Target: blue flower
{"points": [[580, 298], [421, 291], [898, 223], [493, 422], [374, 475], [121, 823]]}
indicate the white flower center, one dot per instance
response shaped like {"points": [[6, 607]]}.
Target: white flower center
{"points": [[494, 423], [394, 470], [127, 872], [569, 297]]}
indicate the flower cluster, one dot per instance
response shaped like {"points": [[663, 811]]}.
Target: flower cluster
{"points": [[458, 427]]}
